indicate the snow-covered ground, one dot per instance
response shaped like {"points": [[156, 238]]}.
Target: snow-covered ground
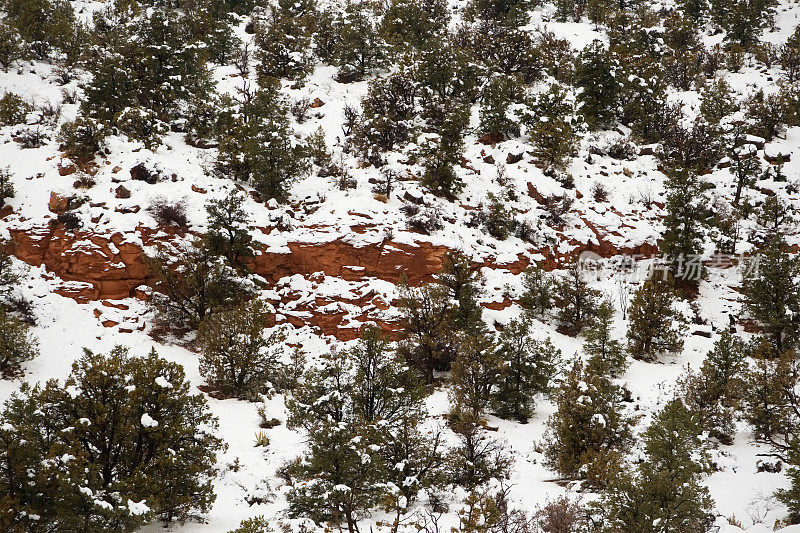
{"points": [[246, 471]]}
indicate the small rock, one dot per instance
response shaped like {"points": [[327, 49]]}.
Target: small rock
{"points": [[123, 192], [141, 173], [58, 204], [317, 103], [195, 188], [513, 158]]}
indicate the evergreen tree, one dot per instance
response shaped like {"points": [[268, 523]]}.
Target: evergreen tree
{"points": [[714, 394], [441, 156], [388, 114], [789, 56], [414, 23], [478, 458], [256, 524], [238, 359], [361, 410], [666, 493], [474, 375], [589, 428], [192, 284], [17, 344], [654, 327], [384, 388], [717, 102], [538, 288], [772, 295], [11, 48], [577, 301], [284, 41], [428, 339], [6, 186], [510, 13], [359, 48], [464, 286], [528, 368], [684, 223], [743, 21], [607, 354], [228, 230], [121, 442], [498, 95], [595, 75], [257, 147], [551, 130]]}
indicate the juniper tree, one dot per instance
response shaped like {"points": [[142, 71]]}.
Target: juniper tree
{"points": [[258, 148], [666, 493], [498, 96], [607, 353], [414, 23], [771, 294], [228, 230], [577, 301], [684, 224], [743, 21], [474, 374], [442, 155], [428, 338], [595, 75], [551, 130], [11, 47], [654, 327], [359, 48], [122, 442], [388, 114], [6, 186], [717, 102], [538, 289], [589, 428], [284, 41], [715, 393], [528, 368], [478, 458], [360, 410], [510, 13], [17, 343], [464, 286], [192, 284], [237, 358]]}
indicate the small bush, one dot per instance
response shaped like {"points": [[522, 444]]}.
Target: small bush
{"points": [[17, 344], [169, 212], [13, 109], [70, 220], [422, 219], [81, 139], [599, 192]]}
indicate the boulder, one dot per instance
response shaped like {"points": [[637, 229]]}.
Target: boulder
{"points": [[122, 192], [141, 173]]}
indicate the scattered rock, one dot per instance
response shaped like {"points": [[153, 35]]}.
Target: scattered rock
{"points": [[66, 167], [195, 188], [513, 158], [489, 160], [141, 173], [128, 209], [122, 192], [415, 197], [317, 103], [58, 204]]}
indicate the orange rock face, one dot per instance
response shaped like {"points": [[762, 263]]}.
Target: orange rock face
{"points": [[97, 267]]}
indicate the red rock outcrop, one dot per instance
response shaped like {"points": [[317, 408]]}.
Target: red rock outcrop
{"points": [[96, 267]]}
